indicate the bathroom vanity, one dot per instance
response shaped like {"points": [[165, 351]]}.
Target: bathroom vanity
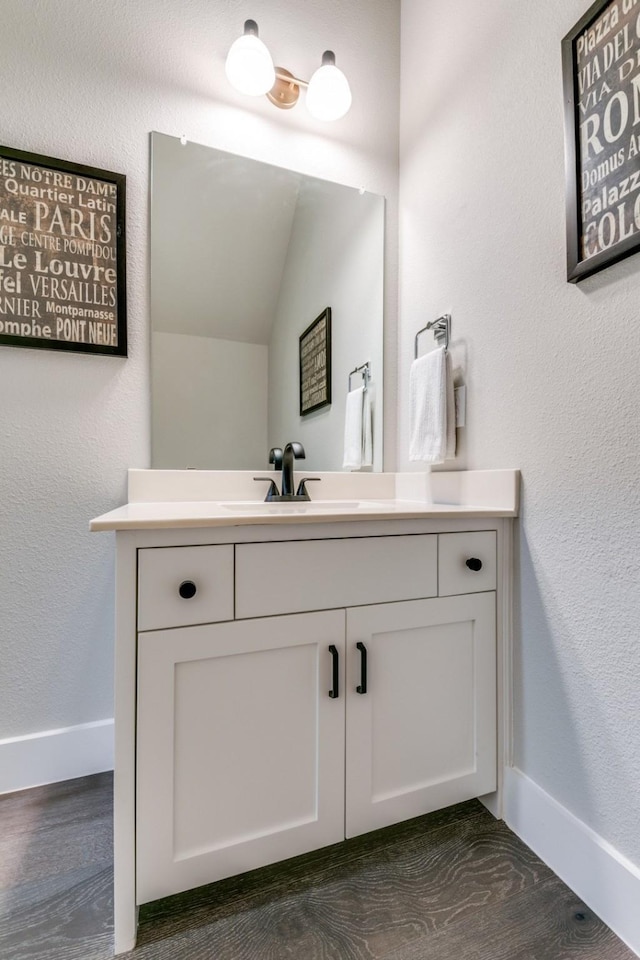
{"points": [[286, 678]]}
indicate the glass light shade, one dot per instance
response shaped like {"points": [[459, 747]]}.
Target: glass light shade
{"points": [[328, 94], [249, 66]]}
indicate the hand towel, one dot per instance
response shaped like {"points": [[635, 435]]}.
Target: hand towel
{"points": [[432, 408], [450, 450], [367, 428], [353, 426]]}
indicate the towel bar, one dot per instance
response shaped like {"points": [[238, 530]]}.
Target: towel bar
{"points": [[365, 370], [441, 331]]}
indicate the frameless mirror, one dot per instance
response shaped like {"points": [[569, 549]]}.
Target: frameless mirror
{"points": [[244, 257]]}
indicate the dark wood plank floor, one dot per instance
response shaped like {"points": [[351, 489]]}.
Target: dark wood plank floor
{"points": [[454, 885]]}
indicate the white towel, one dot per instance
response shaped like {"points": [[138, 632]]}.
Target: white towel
{"points": [[433, 428], [357, 430], [367, 428]]}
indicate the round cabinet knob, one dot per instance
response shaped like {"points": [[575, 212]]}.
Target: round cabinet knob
{"points": [[187, 589], [474, 564]]}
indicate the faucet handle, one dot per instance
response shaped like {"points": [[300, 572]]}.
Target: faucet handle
{"points": [[302, 489], [275, 457], [273, 491]]}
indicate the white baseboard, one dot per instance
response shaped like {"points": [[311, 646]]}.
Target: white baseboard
{"points": [[54, 755], [607, 882]]}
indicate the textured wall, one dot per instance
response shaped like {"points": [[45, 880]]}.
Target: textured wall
{"points": [[87, 82], [552, 374]]}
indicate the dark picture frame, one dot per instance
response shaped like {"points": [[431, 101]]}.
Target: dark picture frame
{"points": [[315, 364], [601, 77], [62, 255]]}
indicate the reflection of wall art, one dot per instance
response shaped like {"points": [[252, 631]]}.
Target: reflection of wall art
{"points": [[315, 364], [601, 70], [62, 255]]}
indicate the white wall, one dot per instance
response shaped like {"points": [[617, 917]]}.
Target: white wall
{"points": [[552, 374], [87, 82], [208, 402], [335, 259]]}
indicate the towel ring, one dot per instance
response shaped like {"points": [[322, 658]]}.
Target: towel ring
{"points": [[441, 331], [365, 370]]}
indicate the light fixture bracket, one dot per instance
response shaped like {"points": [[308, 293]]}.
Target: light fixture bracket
{"points": [[286, 90]]}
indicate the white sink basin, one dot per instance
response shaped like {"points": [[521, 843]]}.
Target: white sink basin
{"points": [[304, 506]]}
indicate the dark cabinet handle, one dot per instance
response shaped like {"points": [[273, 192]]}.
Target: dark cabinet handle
{"points": [[474, 564], [187, 589], [334, 693], [362, 686]]}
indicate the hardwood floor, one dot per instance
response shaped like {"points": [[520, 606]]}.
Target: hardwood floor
{"points": [[454, 885]]}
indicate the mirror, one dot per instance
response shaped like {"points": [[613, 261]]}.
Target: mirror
{"points": [[244, 257]]}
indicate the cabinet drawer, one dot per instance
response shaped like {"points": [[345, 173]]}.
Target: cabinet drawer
{"points": [[455, 575], [162, 571], [294, 577]]}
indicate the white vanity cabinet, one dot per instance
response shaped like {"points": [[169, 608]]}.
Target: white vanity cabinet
{"points": [[315, 714], [283, 687]]}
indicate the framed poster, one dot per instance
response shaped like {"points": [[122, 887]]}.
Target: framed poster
{"points": [[601, 74], [62, 255], [315, 364]]}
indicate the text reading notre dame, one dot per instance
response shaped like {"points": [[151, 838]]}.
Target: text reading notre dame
{"points": [[58, 255]]}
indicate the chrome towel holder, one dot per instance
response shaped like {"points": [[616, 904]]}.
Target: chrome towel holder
{"points": [[365, 370], [441, 331]]}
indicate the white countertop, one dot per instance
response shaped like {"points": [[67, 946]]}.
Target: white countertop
{"points": [[474, 494], [209, 513]]}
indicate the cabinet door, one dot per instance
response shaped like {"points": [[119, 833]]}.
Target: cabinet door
{"points": [[240, 748], [423, 735]]}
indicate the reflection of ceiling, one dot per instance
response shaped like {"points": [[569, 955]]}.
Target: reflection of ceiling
{"points": [[224, 230]]}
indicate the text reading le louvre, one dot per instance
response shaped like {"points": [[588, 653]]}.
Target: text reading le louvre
{"points": [[61, 256]]}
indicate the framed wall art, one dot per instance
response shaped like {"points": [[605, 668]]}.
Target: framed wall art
{"points": [[315, 364], [601, 74], [62, 255]]}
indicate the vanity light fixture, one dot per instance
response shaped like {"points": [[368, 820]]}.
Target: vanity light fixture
{"points": [[249, 66], [250, 70]]}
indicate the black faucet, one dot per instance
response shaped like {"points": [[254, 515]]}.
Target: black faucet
{"points": [[292, 451], [275, 457]]}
